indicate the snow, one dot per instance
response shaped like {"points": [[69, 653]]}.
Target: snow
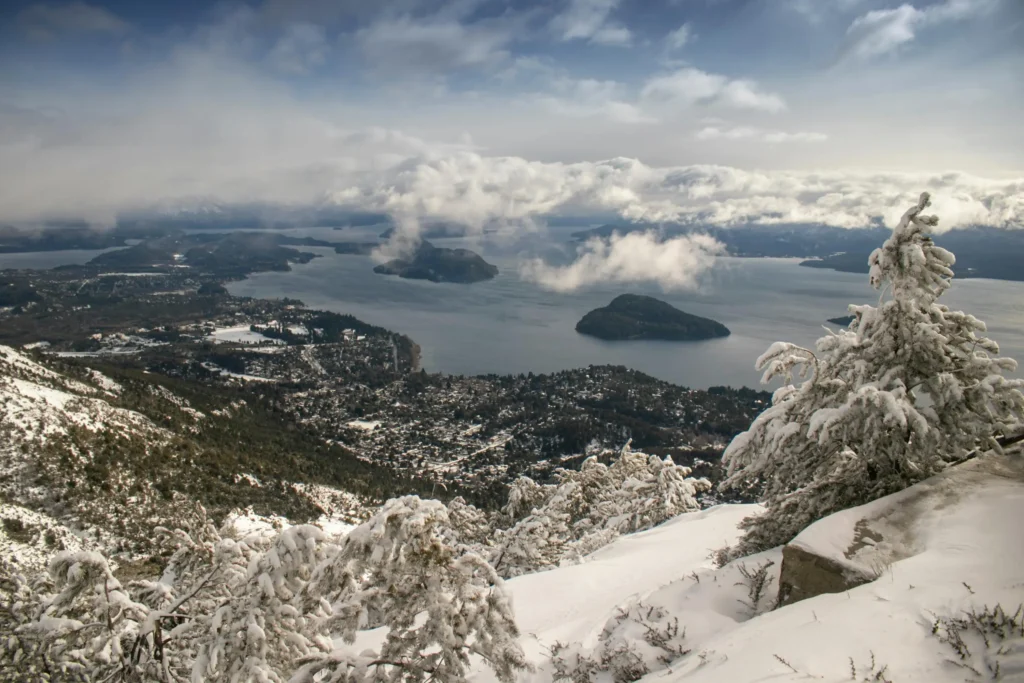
{"points": [[104, 382], [365, 425], [38, 536], [240, 334], [959, 528], [634, 565], [235, 375]]}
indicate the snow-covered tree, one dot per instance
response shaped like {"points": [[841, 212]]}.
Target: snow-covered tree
{"points": [[267, 606], [908, 389], [438, 607], [589, 507]]}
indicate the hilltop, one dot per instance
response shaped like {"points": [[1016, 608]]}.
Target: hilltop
{"points": [[440, 264], [633, 316]]}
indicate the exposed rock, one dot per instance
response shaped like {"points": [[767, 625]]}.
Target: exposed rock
{"points": [[856, 546], [805, 575]]}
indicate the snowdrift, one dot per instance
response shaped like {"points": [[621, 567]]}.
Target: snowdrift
{"points": [[948, 545]]}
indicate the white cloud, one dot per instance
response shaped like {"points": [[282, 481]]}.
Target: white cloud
{"points": [[638, 257], [209, 127], [411, 46], [302, 47], [584, 98], [689, 86], [474, 190], [589, 20], [679, 38], [884, 31], [49, 20], [748, 133]]}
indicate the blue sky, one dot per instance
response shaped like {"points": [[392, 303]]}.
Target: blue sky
{"points": [[480, 110]]}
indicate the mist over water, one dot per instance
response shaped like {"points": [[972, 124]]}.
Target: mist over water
{"points": [[507, 325]]}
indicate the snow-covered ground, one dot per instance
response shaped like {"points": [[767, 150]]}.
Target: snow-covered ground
{"points": [[950, 544], [240, 334]]}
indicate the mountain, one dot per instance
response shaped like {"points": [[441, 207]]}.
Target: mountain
{"points": [[633, 316], [440, 264], [980, 253]]}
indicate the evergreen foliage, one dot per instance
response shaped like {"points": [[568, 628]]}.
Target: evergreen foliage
{"points": [[911, 387]]}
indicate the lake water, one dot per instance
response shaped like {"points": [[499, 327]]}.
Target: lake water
{"points": [[506, 325]]}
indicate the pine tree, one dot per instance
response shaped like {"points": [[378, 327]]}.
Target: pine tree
{"points": [[588, 508], [438, 606], [908, 389]]}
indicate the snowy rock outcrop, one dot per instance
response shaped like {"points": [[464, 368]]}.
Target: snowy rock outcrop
{"points": [[856, 546]]}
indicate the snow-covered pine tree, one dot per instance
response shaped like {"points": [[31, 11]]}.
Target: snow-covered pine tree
{"points": [[266, 607], [259, 633], [908, 389], [439, 606], [589, 507]]}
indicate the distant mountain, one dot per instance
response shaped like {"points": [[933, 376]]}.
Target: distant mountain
{"points": [[980, 252], [777, 241], [633, 316], [433, 232], [231, 255], [439, 264], [56, 238]]}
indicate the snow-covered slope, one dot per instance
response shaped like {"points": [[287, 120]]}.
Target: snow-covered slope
{"points": [[944, 547], [36, 402]]}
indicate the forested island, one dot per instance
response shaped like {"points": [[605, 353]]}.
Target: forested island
{"points": [[634, 316], [440, 264]]}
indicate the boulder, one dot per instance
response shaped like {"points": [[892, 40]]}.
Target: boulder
{"points": [[856, 546]]}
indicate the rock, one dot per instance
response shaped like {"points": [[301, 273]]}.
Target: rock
{"points": [[856, 546], [806, 575]]}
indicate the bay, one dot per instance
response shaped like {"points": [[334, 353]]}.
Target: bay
{"points": [[510, 326]]}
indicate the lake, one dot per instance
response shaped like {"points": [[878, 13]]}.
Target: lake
{"points": [[506, 325]]}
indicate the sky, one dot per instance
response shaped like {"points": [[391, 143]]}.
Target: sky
{"points": [[835, 112]]}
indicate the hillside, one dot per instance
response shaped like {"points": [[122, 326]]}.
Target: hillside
{"points": [[79, 447], [440, 264], [634, 317]]}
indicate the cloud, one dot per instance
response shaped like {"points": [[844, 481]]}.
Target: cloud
{"points": [[301, 48], [475, 190], [589, 20], [881, 32], [756, 134], [584, 98], [409, 46], [689, 86], [637, 257], [49, 20], [208, 129], [679, 38]]}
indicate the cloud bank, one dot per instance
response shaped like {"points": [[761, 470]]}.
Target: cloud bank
{"points": [[474, 190], [638, 257]]}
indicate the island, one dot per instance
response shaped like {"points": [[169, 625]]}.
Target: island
{"points": [[439, 264], [843, 320], [633, 316]]}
